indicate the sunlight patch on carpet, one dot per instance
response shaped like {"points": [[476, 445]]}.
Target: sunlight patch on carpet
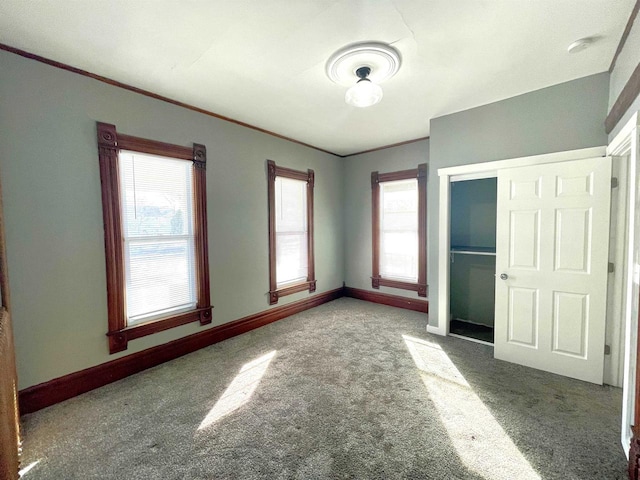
{"points": [[26, 469], [240, 390], [481, 443]]}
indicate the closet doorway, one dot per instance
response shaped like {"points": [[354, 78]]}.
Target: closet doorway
{"points": [[472, 259], [539, 321]]}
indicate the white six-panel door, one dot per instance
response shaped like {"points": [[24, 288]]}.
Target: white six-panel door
{"points": [[551, 266]]}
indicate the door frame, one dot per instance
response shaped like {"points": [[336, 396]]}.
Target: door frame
{"points": [[627, 143], [471, 172]]}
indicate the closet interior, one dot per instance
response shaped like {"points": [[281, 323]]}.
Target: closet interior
{"points": [[473, 258]]}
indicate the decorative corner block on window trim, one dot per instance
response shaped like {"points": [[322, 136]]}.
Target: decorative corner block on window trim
{"points": [[273, 298], [118, 342], [206, 316]]}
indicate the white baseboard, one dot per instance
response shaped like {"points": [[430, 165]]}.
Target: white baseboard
{"points": [[436, 330]]}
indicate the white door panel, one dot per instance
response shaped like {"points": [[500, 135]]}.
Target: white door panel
{"points": [[522, 321], [552, 244], [524, 245]]}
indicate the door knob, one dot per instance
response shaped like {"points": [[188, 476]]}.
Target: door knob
{"points": [[503, 276]]}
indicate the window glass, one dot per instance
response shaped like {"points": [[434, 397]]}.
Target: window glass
{"points": [[159, 252], [291, 231], [399, 229]]}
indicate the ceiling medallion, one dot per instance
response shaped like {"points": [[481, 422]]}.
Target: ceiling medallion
{"points": [[362, 66], [383, 60]]}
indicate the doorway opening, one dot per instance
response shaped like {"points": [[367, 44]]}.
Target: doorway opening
{"points": [[473, 259], [519, 323]]}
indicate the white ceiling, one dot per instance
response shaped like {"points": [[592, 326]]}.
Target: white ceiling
{"points": [[263, 61]]}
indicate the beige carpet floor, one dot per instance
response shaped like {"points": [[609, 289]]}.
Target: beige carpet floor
{"points": [[349, 389]]}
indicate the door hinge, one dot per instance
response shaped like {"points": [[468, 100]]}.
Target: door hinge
{"points": [[611, 267], [614, 182], [607, 349]]}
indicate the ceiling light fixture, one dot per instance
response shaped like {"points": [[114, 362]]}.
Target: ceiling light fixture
{"points": [[364, 93], [366, 65]]}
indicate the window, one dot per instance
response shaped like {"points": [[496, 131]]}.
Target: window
{"points": [[155, 220], [399, 219], [291, 266]]}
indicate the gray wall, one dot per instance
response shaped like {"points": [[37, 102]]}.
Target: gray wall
{"points": [[53, 212], [357, 207], [563, 117], [625, 65], [473, 213], [473, 291]]}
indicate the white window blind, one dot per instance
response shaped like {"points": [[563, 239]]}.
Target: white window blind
{"points": [[291, 231], [399, 230], [159, 253]]}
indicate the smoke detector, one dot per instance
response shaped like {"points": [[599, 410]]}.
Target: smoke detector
{"points": [[580, 44]]}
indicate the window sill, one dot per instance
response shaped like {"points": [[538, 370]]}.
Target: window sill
{"points": [[274, 295], [118, 340], [376, 282]]}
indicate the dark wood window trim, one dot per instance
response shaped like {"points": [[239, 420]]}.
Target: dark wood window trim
{"points": [[274, 171], [376, 178], [109, 145]]}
